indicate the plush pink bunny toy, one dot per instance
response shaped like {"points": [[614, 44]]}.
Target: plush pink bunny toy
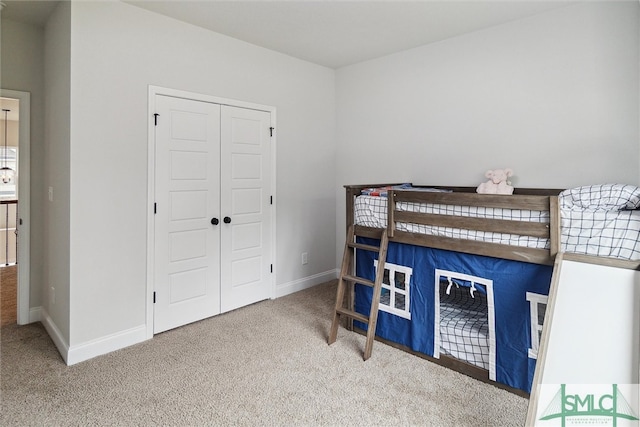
{"points": [[498, 182]]}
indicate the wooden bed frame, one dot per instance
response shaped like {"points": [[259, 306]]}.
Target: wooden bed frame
{"points": [[526, 199]]}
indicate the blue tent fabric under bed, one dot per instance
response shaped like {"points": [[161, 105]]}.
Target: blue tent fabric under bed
{"points": [[511, 280]]}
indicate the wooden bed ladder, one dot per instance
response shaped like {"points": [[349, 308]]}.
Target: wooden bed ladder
{"points": [[345, 278]]}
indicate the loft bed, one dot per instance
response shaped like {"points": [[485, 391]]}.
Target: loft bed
{"points": [[467, 275]]}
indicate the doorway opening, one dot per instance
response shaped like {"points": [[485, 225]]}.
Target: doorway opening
{"points": [[14, 207], [10, 116], [465, 319]]}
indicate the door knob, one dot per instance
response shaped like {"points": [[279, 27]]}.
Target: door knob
{"points": [[214, 221], [227, 220]]}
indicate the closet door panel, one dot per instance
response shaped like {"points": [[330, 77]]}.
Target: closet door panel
{"points": [[187, 184], [245, 200]]}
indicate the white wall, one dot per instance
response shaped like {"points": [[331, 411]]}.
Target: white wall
{"points": [[530, 94], [56, 296], [22, 69], [553, 96], [117, 50]]}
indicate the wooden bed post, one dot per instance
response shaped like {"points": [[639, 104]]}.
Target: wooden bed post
{"points": [[555, 224], [351, 193], [391, 206]]}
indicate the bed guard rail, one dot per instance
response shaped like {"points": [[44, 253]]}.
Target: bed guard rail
{"points": [[545, 200]]}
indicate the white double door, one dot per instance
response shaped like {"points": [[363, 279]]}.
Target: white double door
{"points": [[212, 248]]}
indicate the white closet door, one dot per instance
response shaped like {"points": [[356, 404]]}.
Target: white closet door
{"points": [[245, 200], [187, 182]]}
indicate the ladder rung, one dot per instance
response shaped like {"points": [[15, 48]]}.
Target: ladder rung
{"points": [[359, 280], [354, 315], [347, 265], [364, 247]]}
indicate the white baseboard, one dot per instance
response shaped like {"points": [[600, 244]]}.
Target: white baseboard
{"points": [[85, 351], [35, 314], [103, 345], [55, 334], [81, 352], [305, 283]]}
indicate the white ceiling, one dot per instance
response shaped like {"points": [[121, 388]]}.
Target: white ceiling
{"points": [[339, 33], [333, 33]]}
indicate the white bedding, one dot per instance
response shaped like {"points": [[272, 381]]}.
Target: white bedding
{"points": [[464, 334], [464, 324], [371, 211], [606, 233], [613, 234]]}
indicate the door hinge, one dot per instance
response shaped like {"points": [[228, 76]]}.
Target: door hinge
{"points": [[272, 268], [271, 131], [155, 119], [271, 200], [154, 297], [155, 208]]}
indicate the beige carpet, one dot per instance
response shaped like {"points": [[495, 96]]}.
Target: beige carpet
{"points": [[266, 365]]}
